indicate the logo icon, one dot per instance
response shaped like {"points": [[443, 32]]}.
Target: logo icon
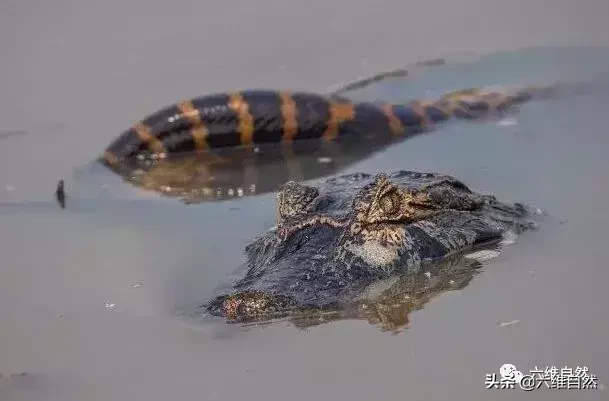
{"points": [[510, 373]]}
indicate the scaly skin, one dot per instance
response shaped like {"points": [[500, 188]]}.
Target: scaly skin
{"points": [[231, 139], [334, 241], [252, 118]]}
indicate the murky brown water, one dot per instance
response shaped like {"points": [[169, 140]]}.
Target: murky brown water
{"points": [[93, 298]]}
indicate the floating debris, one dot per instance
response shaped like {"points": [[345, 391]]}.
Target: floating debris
{"points": [[109, 305], [506, 122], [60, 194], [136, 285], [428, 274], [324, 160], [510, 323], [483, 255]]}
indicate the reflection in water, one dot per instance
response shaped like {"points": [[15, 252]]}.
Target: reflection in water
{"points": [[232, 173], [387, 304]]}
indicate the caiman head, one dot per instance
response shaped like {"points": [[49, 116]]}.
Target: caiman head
{"points": [[335, 241]]}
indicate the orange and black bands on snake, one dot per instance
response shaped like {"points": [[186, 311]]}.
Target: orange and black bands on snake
{"points": [[250, 118]]}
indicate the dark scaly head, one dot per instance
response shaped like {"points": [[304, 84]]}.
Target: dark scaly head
{"points": [[333, 240], [376, 204], [400, 220]]}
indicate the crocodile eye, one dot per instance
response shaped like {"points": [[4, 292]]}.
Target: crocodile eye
{"points": [[390, 203]]}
